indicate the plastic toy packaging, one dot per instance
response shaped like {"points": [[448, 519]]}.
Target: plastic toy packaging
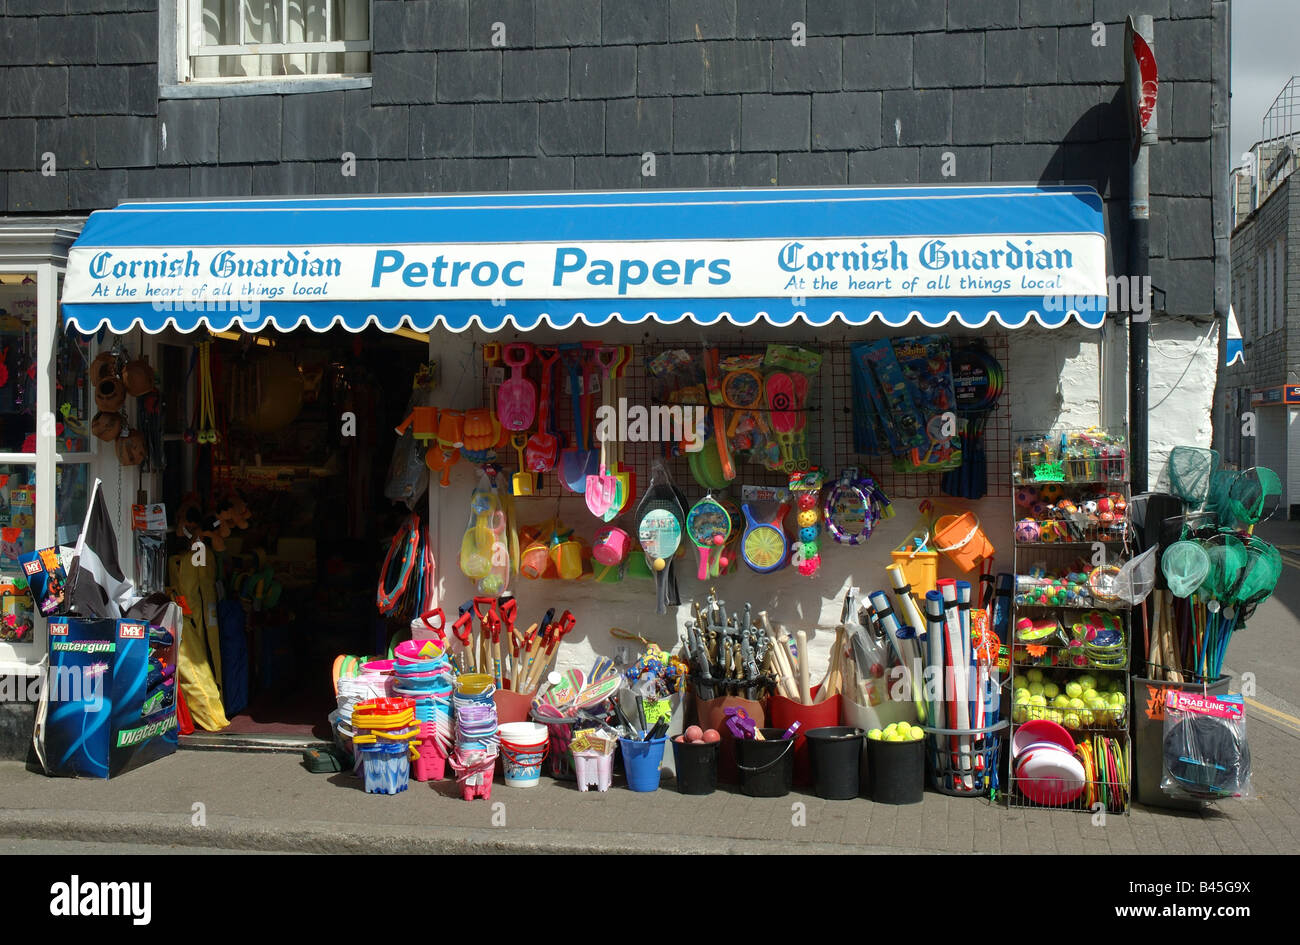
{"points": [[485, 549], [1206, 755], [408, 476]]}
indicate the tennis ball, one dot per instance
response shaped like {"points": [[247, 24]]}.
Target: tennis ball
{"points": [[1071, 720], [1088, 717], [1020, 713], [1022, 697], [1060, 702], [1077, 704], [1051, 690], [1056, 715], [875, 734], [1034, 675], [1090, 693], [904, 728], [891, 729], [896, 737], [1073, 689], [1038, 699], [1037, 689], [1087, 681], [917, 733], [660, 564]]}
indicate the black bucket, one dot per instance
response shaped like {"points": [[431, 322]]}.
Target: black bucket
{"points": [[896, 771], [697, 767], [836, 753], [766, 767]]}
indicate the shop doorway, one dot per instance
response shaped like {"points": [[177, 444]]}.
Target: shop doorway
{"points": [[304, 431]]}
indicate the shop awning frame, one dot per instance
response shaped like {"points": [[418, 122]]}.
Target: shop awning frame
{"points": [[219, 264]]}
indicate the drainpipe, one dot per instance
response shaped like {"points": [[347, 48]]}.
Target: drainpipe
{"points": [[1139, 270]]}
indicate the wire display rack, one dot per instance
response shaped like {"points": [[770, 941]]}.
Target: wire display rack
{"points": [[828, 430], [1067, 634]]}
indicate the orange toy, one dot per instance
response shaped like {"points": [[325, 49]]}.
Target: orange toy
{"points": [[425, 423], [445, 453]]}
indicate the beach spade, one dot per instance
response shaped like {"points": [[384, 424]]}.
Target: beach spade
{"points": [[625, 477], [577, 462], [544, 446], [602, 487]]}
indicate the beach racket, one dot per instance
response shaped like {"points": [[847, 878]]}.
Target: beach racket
{"points": [[708, 526], [660, 534], [764, 545]]}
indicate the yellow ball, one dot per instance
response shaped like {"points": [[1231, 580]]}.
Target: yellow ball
{"points": [[660, 564], [807, 518]]}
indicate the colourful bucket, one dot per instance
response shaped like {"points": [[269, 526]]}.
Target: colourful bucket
{"points": [[962, 540], [523, 746]]}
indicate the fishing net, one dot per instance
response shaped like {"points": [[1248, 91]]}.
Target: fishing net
{"points": [[1260, 574], [1227, 560], [1185, 565], [1190, 469], [1253, 491], [1136, 578], [1221, 483]]}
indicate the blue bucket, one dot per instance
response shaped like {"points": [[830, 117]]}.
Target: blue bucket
{"points": [[641, 763], [387, 769]]}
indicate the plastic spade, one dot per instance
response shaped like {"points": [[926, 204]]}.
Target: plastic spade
{"points": [[517, 398], [602, 488], [543, 447], [573, 460]]}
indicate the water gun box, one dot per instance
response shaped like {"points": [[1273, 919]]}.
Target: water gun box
{"points": [[109, 703], [47, 580]]}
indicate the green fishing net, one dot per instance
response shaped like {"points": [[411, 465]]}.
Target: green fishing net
{"points": [[1185, 565], [1250, 494], [1190, 469], [1221, 483], [1227, 560], [1260, 575]]}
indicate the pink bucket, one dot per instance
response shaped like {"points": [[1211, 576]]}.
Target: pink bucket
{"points": [[611, 546]]}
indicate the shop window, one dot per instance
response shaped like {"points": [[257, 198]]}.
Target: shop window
{"points": [[262, 39], [17, 363], [17, 536]]}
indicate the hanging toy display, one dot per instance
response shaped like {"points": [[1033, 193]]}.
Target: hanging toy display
{"points": [[484, 552], [446, 450], [805, 488], [764, 545], [853, 507]]}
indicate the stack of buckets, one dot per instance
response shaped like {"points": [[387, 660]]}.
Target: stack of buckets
{"points": [[385, 737], [523, 746], [475, 757], [371, 683], [424, 675]]}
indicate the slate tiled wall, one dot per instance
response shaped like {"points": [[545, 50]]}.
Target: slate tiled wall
{"points": [[883, 91]]}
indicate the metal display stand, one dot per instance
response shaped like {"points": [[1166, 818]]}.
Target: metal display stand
{"points": [[1084, 546]]}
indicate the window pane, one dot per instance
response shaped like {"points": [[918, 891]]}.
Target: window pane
{"points": [[17, 352], [17, 536], [71, 495], [72, 395]]}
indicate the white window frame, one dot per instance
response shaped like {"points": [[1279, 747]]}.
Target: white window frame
{"points": [[46, 459], [1279, 286], [189, 46]]}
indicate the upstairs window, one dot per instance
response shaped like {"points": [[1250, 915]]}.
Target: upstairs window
{"points": [[231, 40]]}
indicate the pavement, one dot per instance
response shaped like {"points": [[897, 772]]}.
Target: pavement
{"points": [[210, 801]]}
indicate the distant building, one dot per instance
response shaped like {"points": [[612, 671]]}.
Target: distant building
{"points": [[1259, 400]]}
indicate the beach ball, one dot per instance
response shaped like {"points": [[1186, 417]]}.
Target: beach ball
{"points": [[1026, 496], [1050, 492], [1027, 530]]}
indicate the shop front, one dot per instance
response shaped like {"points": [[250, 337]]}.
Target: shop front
{"points": [[881, 357]]}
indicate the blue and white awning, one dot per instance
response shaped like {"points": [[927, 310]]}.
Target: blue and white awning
{"points": [[1234, 349], [931, 254]]}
